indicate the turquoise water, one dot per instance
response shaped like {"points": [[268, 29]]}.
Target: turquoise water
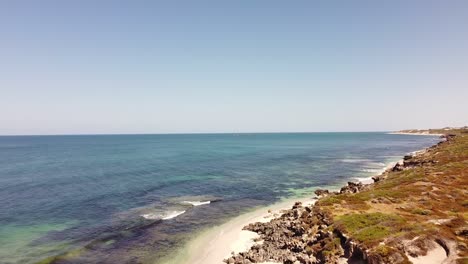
{"points": [[130, 198]]}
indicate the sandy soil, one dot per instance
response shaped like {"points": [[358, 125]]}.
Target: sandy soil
{"points": [[435, 256]]}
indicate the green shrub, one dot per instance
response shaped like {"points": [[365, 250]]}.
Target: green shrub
{"points": [[327, 201], [370, 227]]}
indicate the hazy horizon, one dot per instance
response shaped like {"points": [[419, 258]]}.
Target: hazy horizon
{"points": [[210, 133], [196, 133], [231, 67]]}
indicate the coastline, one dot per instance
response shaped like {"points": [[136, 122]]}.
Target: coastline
{"points": [[215, 244], [219, 243], [414, 212], [415, 133]]}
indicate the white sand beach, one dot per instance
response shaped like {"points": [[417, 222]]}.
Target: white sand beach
{"points": [[217, 243]]}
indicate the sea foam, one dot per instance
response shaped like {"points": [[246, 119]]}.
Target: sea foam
{"points": [[196, 203], [165, 216]]}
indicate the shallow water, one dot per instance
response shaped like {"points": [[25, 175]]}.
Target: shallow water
{"points": [[138, 198]]}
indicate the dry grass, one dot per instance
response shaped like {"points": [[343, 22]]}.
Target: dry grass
{"points": [[411, 202]]}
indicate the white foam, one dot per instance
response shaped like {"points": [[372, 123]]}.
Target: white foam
{"points": [[151, 216], [196, 203], [371, 170], [165, 216], [366, 180], [375, 172], [173, 215]]}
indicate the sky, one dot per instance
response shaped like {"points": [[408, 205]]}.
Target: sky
{"points": [[106, 67]]}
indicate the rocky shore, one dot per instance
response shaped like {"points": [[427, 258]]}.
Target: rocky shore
{"points": [[414, 212]]}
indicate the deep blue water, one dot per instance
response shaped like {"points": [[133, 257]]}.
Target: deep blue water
{"points": [[90, 193]]}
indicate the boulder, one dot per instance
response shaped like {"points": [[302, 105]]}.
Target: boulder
{"points": [[398, 167], [352, 187], [320, 192]]}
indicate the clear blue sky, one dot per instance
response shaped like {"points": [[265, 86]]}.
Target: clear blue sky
{"points": [[71, 67]]}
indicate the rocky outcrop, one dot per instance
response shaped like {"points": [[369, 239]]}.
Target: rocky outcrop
{"points": [[448, 137], [304, 235], [308, 235], [321, 192], [379, 177], [417, 163], [407, 157], [353, 187], [399, 166], [300, 235]]}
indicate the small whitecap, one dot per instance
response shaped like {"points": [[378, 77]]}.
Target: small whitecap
{"points": [[196, 203], [370, 170], [165, 216]]}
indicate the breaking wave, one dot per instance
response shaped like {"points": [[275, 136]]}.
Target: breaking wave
{"points": [[196, 203], [164, 216]]}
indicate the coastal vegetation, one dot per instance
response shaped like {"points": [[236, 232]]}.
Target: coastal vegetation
{"points": [[411, 210]]}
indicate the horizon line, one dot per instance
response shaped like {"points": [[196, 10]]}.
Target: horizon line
{"points": [[194, 133]]}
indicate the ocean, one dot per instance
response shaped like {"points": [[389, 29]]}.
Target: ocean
{"points": [[141, 198]]}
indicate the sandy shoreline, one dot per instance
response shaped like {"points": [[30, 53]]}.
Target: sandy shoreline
{"points": [[217, 243]]}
